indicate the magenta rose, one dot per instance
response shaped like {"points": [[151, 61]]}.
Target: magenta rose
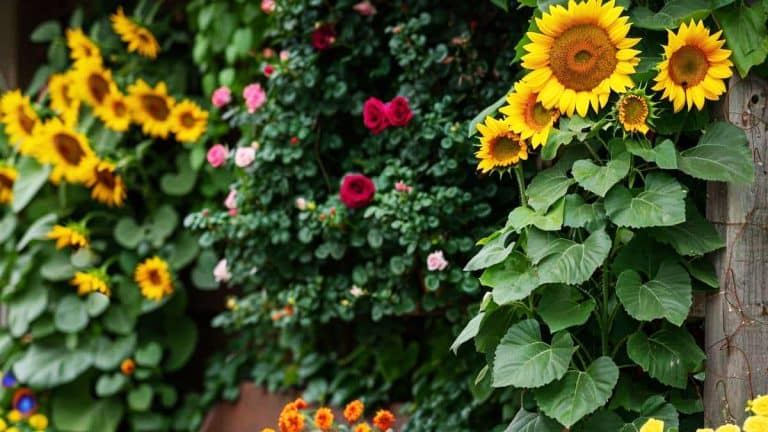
{"points": [[399, 112], [217, 155], [323, 37], [356, 191], [375, 115]]}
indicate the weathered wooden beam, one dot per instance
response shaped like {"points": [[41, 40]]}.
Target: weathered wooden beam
{"points": [[8, 44], [737, 316]]}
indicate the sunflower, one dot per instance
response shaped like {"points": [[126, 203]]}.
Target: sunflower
{"points": [[137, 37], [82, 47], [74, 235], [189, 121], [579, 55], [106, 187], [18, 116], [65, 148], [61, 88], [114, 111], [528, 117], [635, 111], [93, 82], [499, 146], [94, 280], [694, 66], [151, 108], [154, 279], [8, 176]]}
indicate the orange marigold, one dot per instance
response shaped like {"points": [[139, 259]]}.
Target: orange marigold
{"points": [[362, 427], [267, 430], [324, 419], [299, 403], [384, 420], [353, 411], [291, 420]]}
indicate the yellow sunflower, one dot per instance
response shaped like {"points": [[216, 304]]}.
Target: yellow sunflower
{"points": [[94, 280], [64, 101], [114, 111], [635, 111], [500, 147], [8, 177], [694, 66], [106, 186], [138, 38], [74, 235], [189, 121], [82, 47], [528, 117], [151, 108], [67, 149], [18, 116], [579, 55], [93, 82], [154, 279]]}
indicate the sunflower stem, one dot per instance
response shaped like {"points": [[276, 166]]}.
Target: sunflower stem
{"points": [[682, 125], [520, 176]]}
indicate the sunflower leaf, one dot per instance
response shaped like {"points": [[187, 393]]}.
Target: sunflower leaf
{"points": [[661, 203], [722, 154]]}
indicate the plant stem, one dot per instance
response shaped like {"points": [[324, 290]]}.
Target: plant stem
{"points": [[521, 184], [605, 328], [682, 125]]}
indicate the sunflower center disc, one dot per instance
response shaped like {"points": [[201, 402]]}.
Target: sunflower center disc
{"points": [[156, 107], [98, 86], [635, 110], [537, 115], [25, 121], [120, 109], [688, 66], [69, 148], [154, 277], [582, 57], [187, 120], [105, 177], [6, 182], [505, 148]]}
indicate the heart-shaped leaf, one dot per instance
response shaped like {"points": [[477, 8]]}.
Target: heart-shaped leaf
{"points": [[661, 203], [667, 295], [669, 355]]}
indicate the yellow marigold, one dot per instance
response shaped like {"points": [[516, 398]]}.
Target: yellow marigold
{"points": [[362, 427], [353, 411], [756, 424], [267, 430], [106, 186], [728, 428], [138, 38], [527, 116], [114, 111], [694, 66], [759, 405], [8, 176], [3, 425], [500, 148], [189, 121], [705, 430], [151, 108], [94, 280], [73, 235], [12, 429], [383, 420], [154, 279], [82, 47], [15, 416], [291, 420], [67, 149], [653, 425], [93, 82], [38, 422], [324, 419], [18, 116]]}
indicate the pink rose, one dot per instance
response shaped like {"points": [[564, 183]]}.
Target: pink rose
{"points": [[254, 96], [365, 8], [402, 187], [268, 6], [284, 55], [356, 191], [244, 156], [221, 96], [231, 201], [268, 52], [356, 291], [217, 155], [301, 204], [399, 112], [232, 212], [323, 37], [436, 261], [221, 272], [268, 70], [375, 115]]}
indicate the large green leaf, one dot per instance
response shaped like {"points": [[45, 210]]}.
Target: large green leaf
{"points": [[604, 420], [25, 306], [599, 180], [493, 252], [580, 214], [661, 203], [73, 409], [671, 15], [548, 187], [109, 384], [522, 217], [578, 393], [469, 332], [37, 231], [565, 261], [668, 295], [664, 153], [181, 338], [58, 267], [513, 279], [524, 360], [181, 183], [493, 327], [668, 355], [722, 154], [526, 421], [695, 236], [140, 398], [562, 306], [643, 254], [127, 233], [71, 314], [655, 407], [109, 353], [32, 176], [149, 354], [745, 33], [51, 365]]}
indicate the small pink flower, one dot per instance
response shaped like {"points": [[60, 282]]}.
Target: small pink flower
{"points": [[284, 55], [365, 8], [217, 155], [232, 212], [221, 272], [356, 291], [294, 140], [436, 261], [254, 96], [402, 187], [231, 201], [301, 204], [268, 52], [268, 70], [268, 6], [244, 156], [221, 96]]}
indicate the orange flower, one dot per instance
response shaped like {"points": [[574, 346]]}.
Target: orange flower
{"points": [[353, 411], [324, 419], [267, 430], [127, 367], [291, 420], [362, 427], [299, 403], [384, 420]]}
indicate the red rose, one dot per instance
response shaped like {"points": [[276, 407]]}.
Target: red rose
{"points": [[268, 70], [399, 112], [375, 115], [323, 37], [356, 191]]}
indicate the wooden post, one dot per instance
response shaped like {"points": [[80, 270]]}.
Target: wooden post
{"points": [[737, 316], [8, 48]]}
